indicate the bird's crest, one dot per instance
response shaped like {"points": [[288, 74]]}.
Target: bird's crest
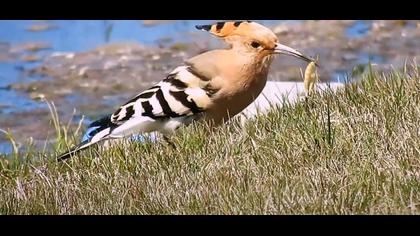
{"points": [[224, 29]]}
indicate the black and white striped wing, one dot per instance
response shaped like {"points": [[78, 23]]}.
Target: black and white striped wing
{"points": [[174, 101]]}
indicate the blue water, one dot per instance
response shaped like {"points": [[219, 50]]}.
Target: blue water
{"points": [[81, 35], [359, 29]]}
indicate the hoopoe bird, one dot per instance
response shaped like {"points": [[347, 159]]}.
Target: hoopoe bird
{"points": [[213, 86]]}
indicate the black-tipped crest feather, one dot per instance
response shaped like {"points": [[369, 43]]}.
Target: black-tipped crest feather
{"points": [[219, 25], [203, 27]]}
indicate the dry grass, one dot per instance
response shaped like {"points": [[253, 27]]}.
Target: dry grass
{"points": [[355, 151]]}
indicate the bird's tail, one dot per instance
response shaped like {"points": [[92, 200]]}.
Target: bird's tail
{"points": [[97, 131], [74, 150]]}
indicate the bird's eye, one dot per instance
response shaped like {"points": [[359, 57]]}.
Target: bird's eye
{"points": [[255, 45]]}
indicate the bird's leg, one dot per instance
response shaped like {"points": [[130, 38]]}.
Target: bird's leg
{"points": [[169, 142]]}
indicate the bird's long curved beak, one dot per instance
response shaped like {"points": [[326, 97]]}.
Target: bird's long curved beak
{"points": [[283, 49]]}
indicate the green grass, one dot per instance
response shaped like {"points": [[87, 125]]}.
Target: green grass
{"points": [[354, 151]]}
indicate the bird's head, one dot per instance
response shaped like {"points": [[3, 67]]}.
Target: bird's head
{"points": [[251, 37]]}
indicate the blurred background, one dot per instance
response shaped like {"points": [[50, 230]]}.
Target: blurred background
{"points": [[88, 68]]}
